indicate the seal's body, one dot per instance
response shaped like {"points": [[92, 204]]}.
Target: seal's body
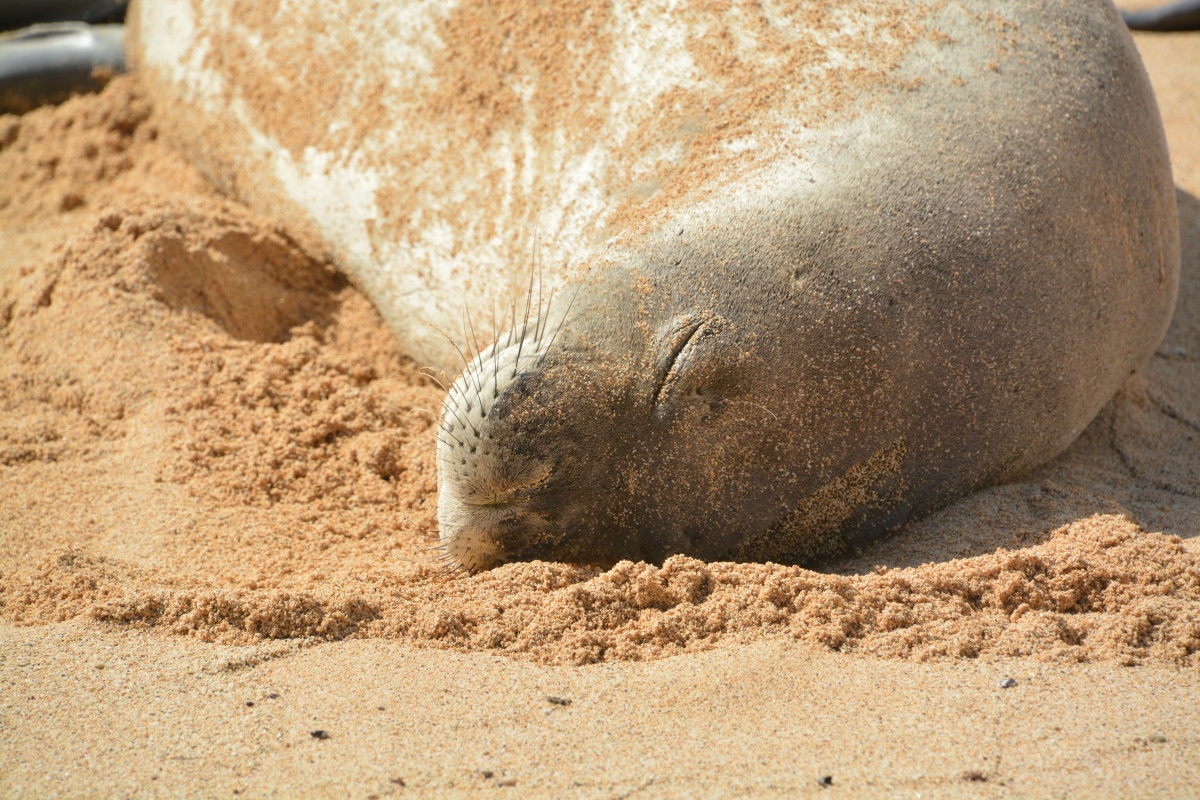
{"points": [[942, 299], [822, 282]]}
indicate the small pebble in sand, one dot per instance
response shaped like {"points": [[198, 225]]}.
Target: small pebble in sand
{"points": [[319, 734], [486, 773], [272, 696], [559, 701], [507, 782], [250, 704], [825, 780], [1007, 683]]}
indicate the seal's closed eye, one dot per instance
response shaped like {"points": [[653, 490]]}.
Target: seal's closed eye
{"points": [[682, 337]]}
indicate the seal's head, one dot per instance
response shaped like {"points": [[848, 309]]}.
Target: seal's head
{"points": [[654, 419], [592, 438]]}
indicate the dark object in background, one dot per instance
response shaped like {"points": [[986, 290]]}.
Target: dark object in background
{"points": [[22, 13], [49, 63], [1181, 16]]}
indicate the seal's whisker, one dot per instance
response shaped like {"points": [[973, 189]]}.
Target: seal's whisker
{"points": [[538, 334], [454, 344], [495, 330], [453, 402], [422, 531], [452, 406], [407, 526], [561, 324], [434, 378], [511, 328], [444, 374], [461, 443], [538, 262], [495, 354], [524, 324], [458, 417], [479, 350], [462, 323], [437, 421], [419, 410], [471, 323], [470, 371], [535, 267]]}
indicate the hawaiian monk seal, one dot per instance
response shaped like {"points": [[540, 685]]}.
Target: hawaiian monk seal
{"points": [[832, 265], [944, 298]]}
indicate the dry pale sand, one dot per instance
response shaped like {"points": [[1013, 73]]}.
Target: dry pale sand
{"points": [[214, 498]]}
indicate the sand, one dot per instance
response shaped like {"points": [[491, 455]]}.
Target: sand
{"points": [[217, 484]]}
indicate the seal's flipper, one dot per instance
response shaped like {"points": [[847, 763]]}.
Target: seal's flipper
{"points": [[1181, 16], [49, 63]]}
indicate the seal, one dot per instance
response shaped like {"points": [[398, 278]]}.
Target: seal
{"points": [[818, 268], [434, 149], [943, 301]]}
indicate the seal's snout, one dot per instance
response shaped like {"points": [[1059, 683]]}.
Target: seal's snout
{"points": [[484, 485]]}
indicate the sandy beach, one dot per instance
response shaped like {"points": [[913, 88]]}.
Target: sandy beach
{"points": [[217, 503]]}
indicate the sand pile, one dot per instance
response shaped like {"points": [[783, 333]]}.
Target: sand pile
{"points": [[205, 431]]}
